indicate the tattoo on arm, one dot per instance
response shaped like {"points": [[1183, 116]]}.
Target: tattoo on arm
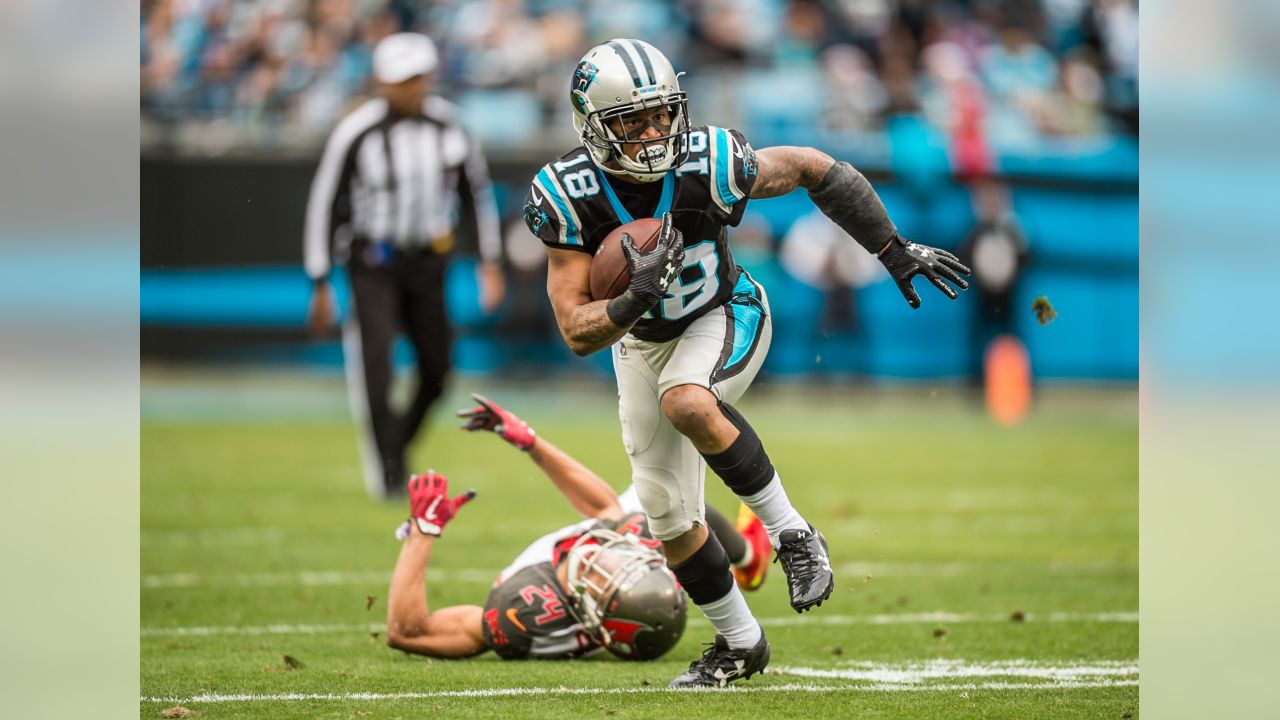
{"points": [[591, 329], [785, 168], [584, 324]]}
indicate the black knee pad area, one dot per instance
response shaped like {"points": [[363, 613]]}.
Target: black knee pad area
{"points": [[744, 466]]}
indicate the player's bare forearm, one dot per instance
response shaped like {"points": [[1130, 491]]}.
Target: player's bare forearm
{"points": [[584, 324], [590, 329], [449, 632], [785, 168], [588, 494]]}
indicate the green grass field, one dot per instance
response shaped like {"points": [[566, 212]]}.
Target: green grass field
{"points": [[258, 543]]}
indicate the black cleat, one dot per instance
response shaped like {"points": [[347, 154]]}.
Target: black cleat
{"points": [[803, 554], [720, 665]]}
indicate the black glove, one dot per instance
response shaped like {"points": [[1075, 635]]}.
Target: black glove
{"points": [[651, 274], [905, 259]]}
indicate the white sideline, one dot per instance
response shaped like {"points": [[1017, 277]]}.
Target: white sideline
{"points": [[522, 692], [783, 621]]}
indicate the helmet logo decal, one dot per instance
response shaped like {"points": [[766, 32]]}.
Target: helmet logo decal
{"points": [[621, 636], [583, 76]]}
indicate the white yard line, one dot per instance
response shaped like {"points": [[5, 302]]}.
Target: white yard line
{"points": [[947, 669], [360, 577], [783, 621], [306, 578], [279, 629], [214, 537], [567, 691]]}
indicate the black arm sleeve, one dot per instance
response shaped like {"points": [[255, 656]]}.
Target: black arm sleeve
{"points": [[846, 197]]}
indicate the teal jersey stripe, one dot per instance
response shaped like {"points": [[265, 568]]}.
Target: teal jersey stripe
{"points": [[664, 202], [723, 166], [746, 320], [746, 325], [571, 236]]}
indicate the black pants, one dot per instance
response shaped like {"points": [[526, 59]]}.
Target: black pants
{"points": [[390, 295]]}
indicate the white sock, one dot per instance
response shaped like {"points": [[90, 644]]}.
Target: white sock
{"points": [[733, 619], [774, 509]]}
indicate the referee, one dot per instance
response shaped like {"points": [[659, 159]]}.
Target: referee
{"points": [[396, 177]]}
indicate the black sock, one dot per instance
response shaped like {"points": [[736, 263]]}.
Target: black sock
{"points": [[705, 576], [735, 546]]}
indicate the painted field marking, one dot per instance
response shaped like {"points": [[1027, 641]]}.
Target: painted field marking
{"points": [[783, 621], [214, 537], [312, 578], [1107, 675], [278, 629], [361, 577], [917, 672]]}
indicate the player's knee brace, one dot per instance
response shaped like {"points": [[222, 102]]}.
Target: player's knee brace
{"points": [[705, 576], [744, 466]]}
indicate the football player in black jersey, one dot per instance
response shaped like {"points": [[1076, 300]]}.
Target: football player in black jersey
{"points": [[598, 583], [692, 329]]}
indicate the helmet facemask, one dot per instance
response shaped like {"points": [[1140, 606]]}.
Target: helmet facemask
{"points": [[657, 156]]}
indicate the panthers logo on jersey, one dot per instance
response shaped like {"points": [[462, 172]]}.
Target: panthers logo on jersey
{"points": [[534, 216]]}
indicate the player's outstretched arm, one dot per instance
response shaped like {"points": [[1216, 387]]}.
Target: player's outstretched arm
{"points": [[588, 494], [845, 196], [452, 632], [586, 491]]}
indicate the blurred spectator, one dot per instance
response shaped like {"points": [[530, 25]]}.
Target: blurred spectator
{"points": [[1111, 28], [803, 35], [729, 32], [821, 255], [495, 44], [1078, 108], [856, 99], [1021, 76], [955, 102], [996, 250]]}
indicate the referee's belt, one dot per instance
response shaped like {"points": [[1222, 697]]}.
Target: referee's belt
{"points": [[381, 252]]}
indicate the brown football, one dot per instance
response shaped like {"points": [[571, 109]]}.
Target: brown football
{"points": [[609, 274]]}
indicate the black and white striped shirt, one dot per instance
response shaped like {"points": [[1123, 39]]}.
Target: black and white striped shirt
{"points": [[399, 180]]}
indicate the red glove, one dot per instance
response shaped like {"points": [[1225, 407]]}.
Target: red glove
{"points": [[429, 505], [489, 415]]}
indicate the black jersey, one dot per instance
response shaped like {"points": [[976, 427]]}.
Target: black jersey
{"points": [[573, 204], [529, 614]]}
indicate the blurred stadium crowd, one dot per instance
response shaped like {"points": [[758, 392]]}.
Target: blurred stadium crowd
{"points": [[1003, 72]]}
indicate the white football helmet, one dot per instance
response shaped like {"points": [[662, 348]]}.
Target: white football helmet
{"points": [[619, 77]]}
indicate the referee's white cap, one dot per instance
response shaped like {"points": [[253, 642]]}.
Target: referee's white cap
{"points": [[401, 56]]}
